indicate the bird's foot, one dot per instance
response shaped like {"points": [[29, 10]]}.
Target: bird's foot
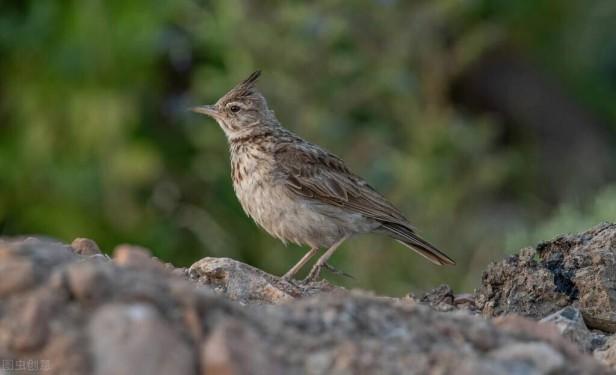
{"points": [[289, 280], [314, 274], [336, 271]]}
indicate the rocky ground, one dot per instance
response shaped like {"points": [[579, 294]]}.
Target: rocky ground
{"points": [[68, 309]]}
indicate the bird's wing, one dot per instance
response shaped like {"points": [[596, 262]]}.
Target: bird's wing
{"points": [[314, 173]]}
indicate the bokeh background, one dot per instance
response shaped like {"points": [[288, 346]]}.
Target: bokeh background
{"points": [[490, 123]]}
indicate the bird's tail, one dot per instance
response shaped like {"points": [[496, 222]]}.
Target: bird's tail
{"points": [[410, 239]]}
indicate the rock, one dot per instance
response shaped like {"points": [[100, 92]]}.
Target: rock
{"points": [[570, 324], [89, 282], [131, 315], [521, 285], [65, 353], [44, 253], [85, 246], [547, 333], [137, 257], [607, 354], [15, 275], [358, 333], [134, 339], [23, 263], [243, 283], [28, 322], [232, 349], [440, 298], [578, 270], [532, 357], [465, 301]]}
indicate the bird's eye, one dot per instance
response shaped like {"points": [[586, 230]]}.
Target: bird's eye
{"points": [[235, 108]]}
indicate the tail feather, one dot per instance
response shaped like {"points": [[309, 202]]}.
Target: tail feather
{"points": [[410, 239]]}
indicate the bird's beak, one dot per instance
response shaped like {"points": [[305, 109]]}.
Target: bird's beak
{"points": [[208, 110]]}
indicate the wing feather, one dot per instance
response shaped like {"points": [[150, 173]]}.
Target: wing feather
{"points": [[314, 173]]}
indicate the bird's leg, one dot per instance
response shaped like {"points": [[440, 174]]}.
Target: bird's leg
{"points": [[316, 269], [289, 275]]}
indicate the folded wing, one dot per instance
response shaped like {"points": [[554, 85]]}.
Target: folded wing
{"points": [[314, 173]]}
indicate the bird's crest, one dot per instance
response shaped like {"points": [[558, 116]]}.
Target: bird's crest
{"points": [[243, 89]]}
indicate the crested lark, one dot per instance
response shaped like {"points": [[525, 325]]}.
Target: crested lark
{"points": [[296, 190]]}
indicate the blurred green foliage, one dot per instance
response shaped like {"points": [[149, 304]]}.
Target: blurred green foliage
{"points": [[95, 139]]}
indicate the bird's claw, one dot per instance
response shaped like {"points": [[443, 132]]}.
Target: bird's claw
{"points": [[289, 280], [313, 275], [316, 271], [336, 271]]}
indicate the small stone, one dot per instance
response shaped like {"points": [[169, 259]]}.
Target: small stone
{"points": [[464, 298], [240, 281], [89, 282], [136, 257], [85, 246], [440, 298]]}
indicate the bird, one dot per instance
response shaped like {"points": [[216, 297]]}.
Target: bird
{"points": [[299, 192]]}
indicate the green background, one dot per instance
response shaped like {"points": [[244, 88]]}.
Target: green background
{"points": [[95, 139]]}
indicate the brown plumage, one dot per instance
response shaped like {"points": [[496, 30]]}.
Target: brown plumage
{"points": [[296, 190]]}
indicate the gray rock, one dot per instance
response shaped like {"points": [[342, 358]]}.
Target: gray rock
{"points": [[442, 298], [570, 324], [243, 283], [358, 333], [529, 358]]}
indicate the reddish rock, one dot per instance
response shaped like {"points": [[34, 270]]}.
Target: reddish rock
{"points": [[136, 257], [85, 246], [89, 282], [16, 275]]}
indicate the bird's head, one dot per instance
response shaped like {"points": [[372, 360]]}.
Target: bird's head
{"points": [[242, 110]]}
